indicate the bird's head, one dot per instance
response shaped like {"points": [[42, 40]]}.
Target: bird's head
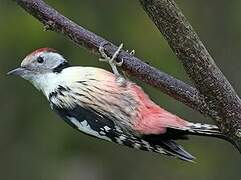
{"points": [[41, 61], [41, 68]]}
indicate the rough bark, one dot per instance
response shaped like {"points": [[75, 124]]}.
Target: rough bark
{"points": [[191, 48], [198, 63]]}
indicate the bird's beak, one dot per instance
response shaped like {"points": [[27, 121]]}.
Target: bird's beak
{"points": [[18, 72]]}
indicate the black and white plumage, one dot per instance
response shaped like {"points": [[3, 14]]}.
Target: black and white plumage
{"points": [[97, 103]]}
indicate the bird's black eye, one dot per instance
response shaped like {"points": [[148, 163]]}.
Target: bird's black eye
{"points": [[40, 60]]}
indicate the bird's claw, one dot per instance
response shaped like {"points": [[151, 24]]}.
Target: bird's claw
{"points": [[111, 60]]}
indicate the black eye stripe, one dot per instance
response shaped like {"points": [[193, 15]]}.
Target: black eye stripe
{"points": [[40, 59]]}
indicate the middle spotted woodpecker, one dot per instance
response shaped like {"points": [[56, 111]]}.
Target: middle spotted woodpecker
{"points": [[107, 106]]}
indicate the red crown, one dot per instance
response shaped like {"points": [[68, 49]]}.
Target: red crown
{"points": [[42, 50]]}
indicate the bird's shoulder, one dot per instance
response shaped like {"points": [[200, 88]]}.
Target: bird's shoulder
{"points": [[78, 72]]}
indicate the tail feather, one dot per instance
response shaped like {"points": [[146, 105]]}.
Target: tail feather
{"points": [[203, 129], [168, 147], [176, 150], [165, 143], [208, 130]]}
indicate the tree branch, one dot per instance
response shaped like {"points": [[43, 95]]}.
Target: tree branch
{"points": [[201, 68]]}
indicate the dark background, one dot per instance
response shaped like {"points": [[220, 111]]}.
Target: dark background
{"points": [[36, 144]]}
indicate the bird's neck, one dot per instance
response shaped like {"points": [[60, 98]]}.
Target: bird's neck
{"points": [[61, 67]]}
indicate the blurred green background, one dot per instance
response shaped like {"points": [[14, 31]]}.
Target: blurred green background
{"points": [[36, 144]]}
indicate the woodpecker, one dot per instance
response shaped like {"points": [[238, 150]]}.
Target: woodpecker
{"points": [[108, 106]]}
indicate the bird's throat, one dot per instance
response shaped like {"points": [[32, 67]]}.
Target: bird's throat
{"points": [[46, 83]]}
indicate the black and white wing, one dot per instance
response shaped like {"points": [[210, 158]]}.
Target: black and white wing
{"points": [[93, 123]]}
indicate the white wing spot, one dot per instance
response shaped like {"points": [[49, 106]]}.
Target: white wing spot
{"points": [[137, 146], [119, 141], [107, 128], [118, 129], [102, 133], [85, 127], [146, 145], [85, 123], [122, 138], [160, 150]]}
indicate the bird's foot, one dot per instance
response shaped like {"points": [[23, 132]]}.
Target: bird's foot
{"points": [[112, 61]]}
